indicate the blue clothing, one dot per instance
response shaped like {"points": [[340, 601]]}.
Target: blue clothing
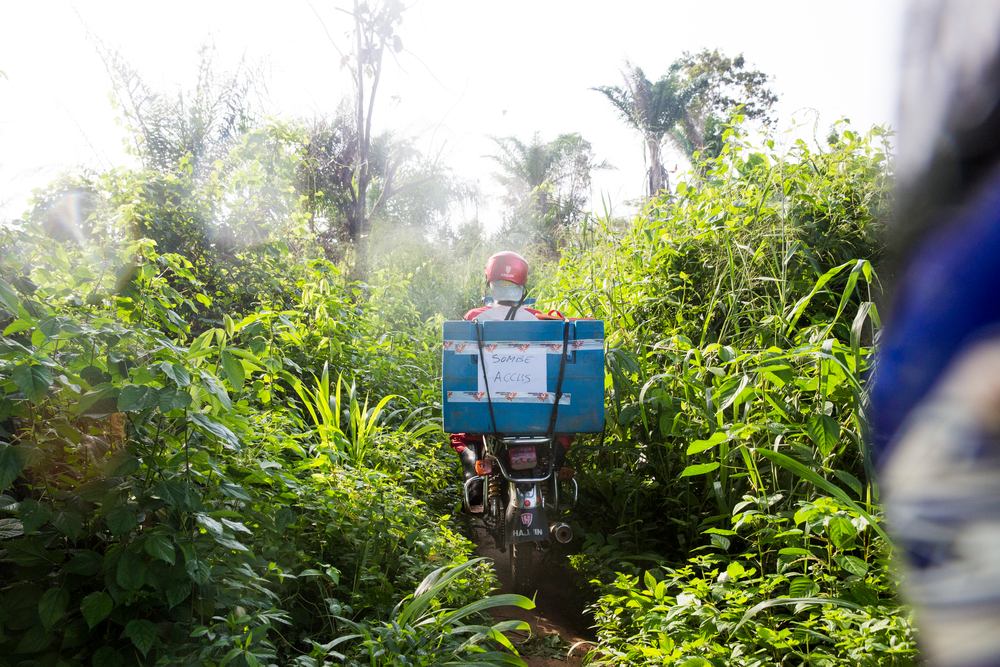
{"points": [[948, 298]]}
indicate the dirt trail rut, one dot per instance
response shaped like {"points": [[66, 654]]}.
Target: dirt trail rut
{"points": [[559, 605]]}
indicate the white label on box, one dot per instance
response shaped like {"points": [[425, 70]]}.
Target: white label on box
{"points": [[515, 371]]}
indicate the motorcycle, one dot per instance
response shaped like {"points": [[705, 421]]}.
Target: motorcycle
{"points": [[517, 431], [523, 503]]}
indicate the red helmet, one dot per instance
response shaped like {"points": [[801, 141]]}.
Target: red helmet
{"points": [[508, 266]]}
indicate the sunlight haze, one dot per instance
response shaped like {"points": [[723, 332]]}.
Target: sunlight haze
{"points": [[468, 71]]}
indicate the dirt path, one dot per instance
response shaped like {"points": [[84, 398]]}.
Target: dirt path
{"points": [[557, 621]]}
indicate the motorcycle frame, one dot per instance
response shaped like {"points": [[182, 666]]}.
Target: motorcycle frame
{"points": [[500, 444]]}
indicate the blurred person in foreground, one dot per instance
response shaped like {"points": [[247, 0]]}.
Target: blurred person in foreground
{"points": [[936, 393]]}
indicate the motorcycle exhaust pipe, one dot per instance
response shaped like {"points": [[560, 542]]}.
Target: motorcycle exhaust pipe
{"points": [[561, 532]]}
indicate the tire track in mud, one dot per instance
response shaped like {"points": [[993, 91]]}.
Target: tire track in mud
{"points": [[559, 608]]}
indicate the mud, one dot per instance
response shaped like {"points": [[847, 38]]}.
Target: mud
{"points": [[559, 609]]}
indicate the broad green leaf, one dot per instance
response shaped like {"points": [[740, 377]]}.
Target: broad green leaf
{"points": [[178, 592], [142, 633], [159, 546], [121, 520], [10, 528], [36, 639], [233, 653], [20, 605], [237, 526], [27, 552], [699, 446], [205, 423], [12, 461], [283, 519], [17, 326], [201, 345], [131, 572], [699, 469], [198, 570], [244, 354], [794, 551], [174, 399], [52, 606], [824, 431], [176, 373], [74, 634], [85, 562], [51, 326], [33, 381], [100, 401], [213, 388], [735, 570], [137, 397], [850, 480], [801, 587], [234, 370], [121, 464], [841, 532], [721, 541], [863, 593], [234, 491], [696, 662], [852, 564], [210, 524], [230, 543], [94, 491], [33, 515], [8, 297]]}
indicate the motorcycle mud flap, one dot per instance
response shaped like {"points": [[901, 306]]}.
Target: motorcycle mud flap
{"points": [[526, 525]]}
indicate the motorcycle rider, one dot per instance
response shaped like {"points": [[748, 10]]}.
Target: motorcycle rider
{"points": [[506, 280]]}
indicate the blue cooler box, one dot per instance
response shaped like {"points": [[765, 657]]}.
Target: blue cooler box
{"points": [[539, 346]]}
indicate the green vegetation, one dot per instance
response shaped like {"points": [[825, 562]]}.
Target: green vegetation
{"points": [[166, 499], [220, 418], [731, 517]]}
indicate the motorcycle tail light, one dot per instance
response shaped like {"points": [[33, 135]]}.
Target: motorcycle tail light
{"points": [[523, 457]]}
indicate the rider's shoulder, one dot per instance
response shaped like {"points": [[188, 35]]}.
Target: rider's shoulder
{"points": [[475, 312]]}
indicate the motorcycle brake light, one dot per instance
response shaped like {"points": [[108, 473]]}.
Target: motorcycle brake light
{"points": [[523, 457]]}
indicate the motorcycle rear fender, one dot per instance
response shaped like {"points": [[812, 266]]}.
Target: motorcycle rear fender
{"points": [[526, 524]]}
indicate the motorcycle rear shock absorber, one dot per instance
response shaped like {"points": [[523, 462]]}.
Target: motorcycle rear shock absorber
{"points": [[494, 482]]}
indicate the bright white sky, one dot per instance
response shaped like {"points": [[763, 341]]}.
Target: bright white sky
{"points": [[469, 70]]}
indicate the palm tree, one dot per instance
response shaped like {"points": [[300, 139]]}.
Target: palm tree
{"points": [[547, 183], [654, 109]]}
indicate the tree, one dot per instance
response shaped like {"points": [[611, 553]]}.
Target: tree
{"points": [[325, 178], [198, 126], [726, 88], [547, 183], [375, 25], [653, 109]]}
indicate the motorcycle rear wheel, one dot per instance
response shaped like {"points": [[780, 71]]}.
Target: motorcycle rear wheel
{"points": [[522, 568]]}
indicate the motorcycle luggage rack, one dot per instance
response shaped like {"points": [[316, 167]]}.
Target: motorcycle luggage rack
{"points": [[486, 490], [525, 441], [576, 492]]}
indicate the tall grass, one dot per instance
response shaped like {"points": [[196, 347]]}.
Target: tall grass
{"points": [[740, 314]]}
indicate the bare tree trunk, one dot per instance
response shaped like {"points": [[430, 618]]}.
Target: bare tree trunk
{"points": [[658, 179]]}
